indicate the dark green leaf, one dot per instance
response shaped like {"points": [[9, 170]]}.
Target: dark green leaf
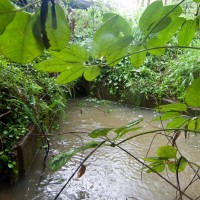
{"points": [[107, 16], [177, 122], [192, 95], [61, 159], [91, 72], [137, 59], [166, 152], [172, 107], [100, 132], [150, 15], [186, 33], [59, 36]]}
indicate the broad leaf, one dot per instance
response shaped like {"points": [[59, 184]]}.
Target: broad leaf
{"points": [[150, 15], [127, 130], [192, 95], [192, 124], [107, 16], [109, 33], [166, 34], [167, 115], [186, 33], [157, 166], [56, 65], [100, 132], [137, 59], [118, 50], [58, 36], [172, 107], [156, 44], [72, 54], [70, 75], [197, 1], [18, 42], [6, 14], [91, 72], [166, 152], [61, 159], [179, 165], [175, 13], [177, 122]]}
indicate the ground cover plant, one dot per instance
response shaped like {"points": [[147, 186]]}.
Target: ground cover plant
{"points": [[25, 36]]}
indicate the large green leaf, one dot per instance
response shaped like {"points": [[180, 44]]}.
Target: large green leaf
{"points": [[187, 32], [150, 15], [92, 72], [166, 152], [192, 94], [58, 37], [109, 33], [156, 43], [18, 42], [137, 59], [72, 54], [61, 159], [6, 14], [118, 50], [71, 74], [100, 132], [56, 65], [166, 34], [197, 1], [177, 122], [176, 11], [172, 107]]}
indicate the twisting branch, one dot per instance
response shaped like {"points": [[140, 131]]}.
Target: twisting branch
{"points": [[78, 168]]}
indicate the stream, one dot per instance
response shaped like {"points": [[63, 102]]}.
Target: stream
{"points": [[111, 174]]}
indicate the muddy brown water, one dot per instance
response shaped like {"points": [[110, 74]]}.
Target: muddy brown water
{"points": [[111, 174]]}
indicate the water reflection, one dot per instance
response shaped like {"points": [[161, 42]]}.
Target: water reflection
{"points": [[110, 173]]}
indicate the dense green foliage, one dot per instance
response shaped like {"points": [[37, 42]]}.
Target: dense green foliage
{"points": [[27, 98]]}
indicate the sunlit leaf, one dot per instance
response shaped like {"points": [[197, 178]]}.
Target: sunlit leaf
{"points": [[197, 1], [100, 132], [179, 165], [61, 159], [107, 16], [91, 72], [6, 14], [192, 94], [109, 33], [153, 159], [70, 75], [72, 54], [156, 44], [137, 59], [118, 50], [18, 42], [167, 115], [186, 33], [175, 13], [58, 37], [177, 122], [192, 124], [166, 34], [150, 15], [166, 152], [172, 107]]}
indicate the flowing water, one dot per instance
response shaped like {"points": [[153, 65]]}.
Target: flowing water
{"points": [[111, 174]]}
